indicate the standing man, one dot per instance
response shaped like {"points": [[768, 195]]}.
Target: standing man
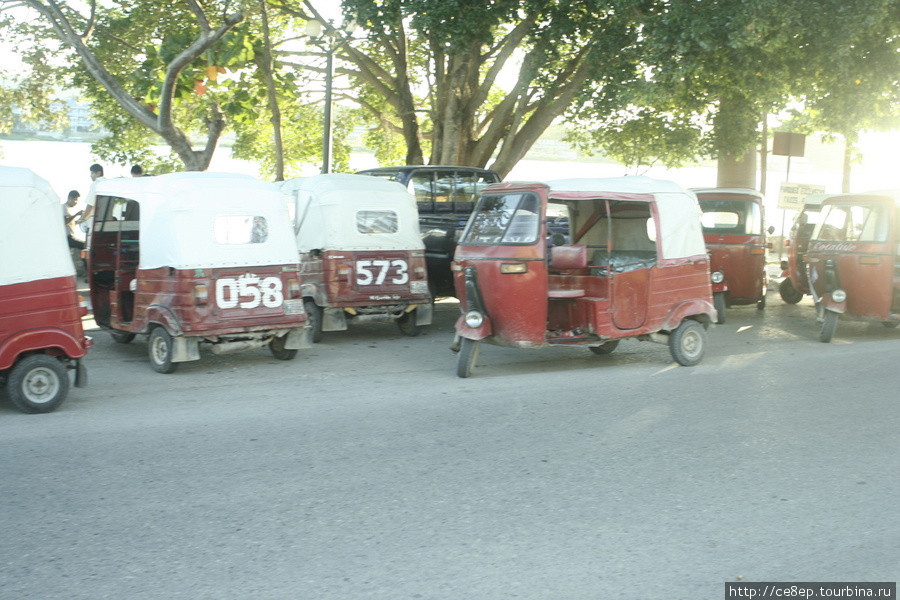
{"points": [[96, 175], [70, 217]]}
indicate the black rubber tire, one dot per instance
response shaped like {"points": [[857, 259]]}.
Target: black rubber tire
{"points": [[314, 318], [468, 354], [38, 384], [890, 324], [160, 349], [121, 337], [829, 326], [276, 346], [788, 292], [687, 343], [719, 303], [761, 303], [606, 348], [407, 324]]}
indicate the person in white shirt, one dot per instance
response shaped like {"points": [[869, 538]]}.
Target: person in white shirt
{"points": [[96, 175]]}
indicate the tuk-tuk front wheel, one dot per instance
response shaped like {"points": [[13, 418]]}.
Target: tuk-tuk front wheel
{"points": [[719, 303], [38, 384], [687, 343], [407, 324], [829, 326], [278, 349], [468, 354], [160, 350], [606, 348]]}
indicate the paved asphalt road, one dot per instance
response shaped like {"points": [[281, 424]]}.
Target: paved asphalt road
{"points": [[366, 469]]}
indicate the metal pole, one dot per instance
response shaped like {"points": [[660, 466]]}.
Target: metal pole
{"points": [[326, 134]]}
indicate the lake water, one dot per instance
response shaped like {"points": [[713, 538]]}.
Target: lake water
{"points": [[65, 165]]}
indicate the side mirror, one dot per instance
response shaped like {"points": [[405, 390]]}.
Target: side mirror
{"points": [[771, 229]]}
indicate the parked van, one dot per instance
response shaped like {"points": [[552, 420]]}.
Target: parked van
{"points": [[445, 196]]}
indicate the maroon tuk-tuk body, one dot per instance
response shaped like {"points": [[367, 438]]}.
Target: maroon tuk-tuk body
{"points": [[191, 258], [632, 265], [733, 229], [361, 254], [41, 333], [794, 283], [853, 259]]}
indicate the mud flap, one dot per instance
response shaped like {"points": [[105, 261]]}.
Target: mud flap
{"points": [[299, 338], [81, 378], [334, 319], [185, 349], [424, 313]]}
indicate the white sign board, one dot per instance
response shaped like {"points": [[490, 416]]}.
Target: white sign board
{"points": [[792, 194]]}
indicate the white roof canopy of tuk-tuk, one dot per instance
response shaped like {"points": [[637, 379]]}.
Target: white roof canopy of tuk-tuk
{"points": [[33, 242], [681, 234], [328, 208], [179, 213]]}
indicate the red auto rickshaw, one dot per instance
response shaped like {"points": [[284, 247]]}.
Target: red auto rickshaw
{"points": [[186, 258], [633, 265], [733, 221], [361, 256], [853, 258], [794, 284], [41, 335]]}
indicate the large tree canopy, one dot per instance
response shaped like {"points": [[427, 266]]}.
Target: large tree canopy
{"points": [[714, 69], [433, 71]]}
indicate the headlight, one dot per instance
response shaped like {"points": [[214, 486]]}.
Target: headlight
{"points": [[717, 277], [474, 319], [838, 295]]}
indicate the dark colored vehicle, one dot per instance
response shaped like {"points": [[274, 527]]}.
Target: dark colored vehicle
{"points": [[794, 284], [733, 231], [634, 265], [445, 196], [853, 260], [41, 335]]}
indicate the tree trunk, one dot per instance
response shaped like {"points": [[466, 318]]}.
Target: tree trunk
{"points": [[733, 120]]}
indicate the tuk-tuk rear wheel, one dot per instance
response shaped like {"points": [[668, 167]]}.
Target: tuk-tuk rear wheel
{"points": [[407, 324], [687, 343], [314, 318], [468, 354], [276, 346], [160, 349], [121, 337], [38, 384], [788, 292]]}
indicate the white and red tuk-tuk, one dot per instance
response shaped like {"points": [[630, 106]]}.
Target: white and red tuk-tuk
{"points": [[633, 265], [361, 255], [41, 335], [853, 260], [187, 258]]}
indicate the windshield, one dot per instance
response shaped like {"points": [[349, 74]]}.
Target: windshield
{"points": [[510, 218], [852, 223], [731, 217]]}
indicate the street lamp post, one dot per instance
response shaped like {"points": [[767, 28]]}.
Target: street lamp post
{"points": [[331, 39]]}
